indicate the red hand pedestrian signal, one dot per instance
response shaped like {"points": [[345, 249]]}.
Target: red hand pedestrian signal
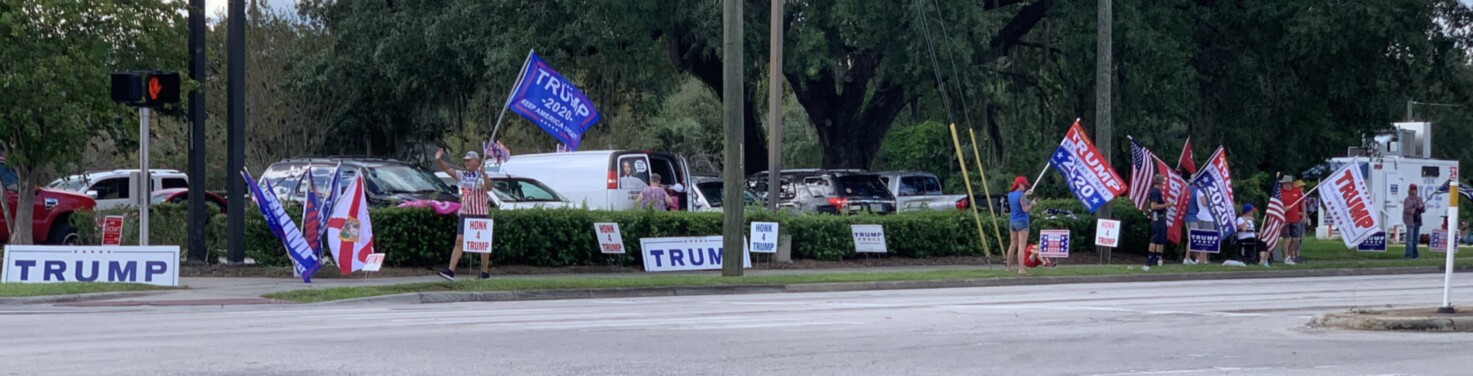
{"points": [[153, 88]]}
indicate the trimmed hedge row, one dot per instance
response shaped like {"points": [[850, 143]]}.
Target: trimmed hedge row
{"points": [[565, 237]]}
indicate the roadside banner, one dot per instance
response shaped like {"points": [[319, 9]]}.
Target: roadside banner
{"points": [[764, 237], [1374, 243], [1347, 203], [154, 265], [545, 98], [304, 258], [112, 230], [1107, 232], [1205, 241], [610, 242], [1091, 180], [478, 235], [1053, 243], [1215, 181], [1437, 242], [868, 238], [374, 262], [685, 253]]}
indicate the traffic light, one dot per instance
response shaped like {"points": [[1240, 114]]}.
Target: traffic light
{"points": [[145, 89]]}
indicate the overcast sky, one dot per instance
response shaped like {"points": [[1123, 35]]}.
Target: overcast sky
{"points": [[214, 7]]}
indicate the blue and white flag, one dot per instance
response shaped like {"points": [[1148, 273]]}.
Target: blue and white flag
{"points": [[304, 258], [1215, 182], [1092, 180], [544, 97]]}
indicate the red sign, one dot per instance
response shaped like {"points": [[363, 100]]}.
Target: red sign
{"points": [[112, 230]]}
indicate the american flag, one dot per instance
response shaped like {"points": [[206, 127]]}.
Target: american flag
{"points": [[1273, 219], [1142, 170]]}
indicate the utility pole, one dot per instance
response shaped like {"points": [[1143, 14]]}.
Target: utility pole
{"points": [[731, 98], [1103, 77], [197, 218], [235, 134], [775, 105]]}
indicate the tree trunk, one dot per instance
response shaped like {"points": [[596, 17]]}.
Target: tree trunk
{"points": [[25, 208]]}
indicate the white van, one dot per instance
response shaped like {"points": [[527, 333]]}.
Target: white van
{"points": [[602, 179]]}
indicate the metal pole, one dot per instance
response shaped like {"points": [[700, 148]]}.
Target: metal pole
{"points": [[197, 218], [775, 105], [505, 106], [1452, 245], [961, 161], [145, 180], [235, 135], [731, 97], [1103, 80], [982, 175]]}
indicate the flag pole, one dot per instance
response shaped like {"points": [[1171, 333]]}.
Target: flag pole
{"points": [[1046, 166], [982, 174], [509, 94], [962, 162]]}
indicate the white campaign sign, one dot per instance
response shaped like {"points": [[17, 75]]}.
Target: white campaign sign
{"points": [[1348, 205], [154, 265], [609, 239], [374, 262], [868, 238], [1107, 233], [764, 237], [685, 253], [478, 233]]}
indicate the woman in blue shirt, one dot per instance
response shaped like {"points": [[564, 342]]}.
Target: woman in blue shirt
{"points": [[1019, 203]]}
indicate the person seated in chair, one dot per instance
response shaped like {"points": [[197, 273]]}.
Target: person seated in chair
{"points": [[1247, 237]]}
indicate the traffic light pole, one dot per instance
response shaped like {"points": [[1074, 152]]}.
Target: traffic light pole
{"points": [[145, 180], [197, 218]]}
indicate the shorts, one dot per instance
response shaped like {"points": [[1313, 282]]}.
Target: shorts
{"points": [[1018, 225], [1293, 231], [460, 225], [1158, 232]]}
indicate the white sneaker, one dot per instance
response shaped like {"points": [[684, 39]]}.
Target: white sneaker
{"points": [[1264, 264], [1146, 268], [1188, 262], [1233, 263], [1289, 261]]}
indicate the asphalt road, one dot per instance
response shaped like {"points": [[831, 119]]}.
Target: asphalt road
{"points": [[1235, 327]]}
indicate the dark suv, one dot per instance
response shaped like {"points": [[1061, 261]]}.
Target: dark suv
{"points": [[390, 182], [828, 191]]}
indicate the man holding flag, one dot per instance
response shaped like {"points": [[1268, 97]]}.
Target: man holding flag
{"points": [[474, 203]]}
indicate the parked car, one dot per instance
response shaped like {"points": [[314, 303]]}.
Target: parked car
{"points": [[829, 191], [181, 196], [515, 192], [602, 179], [114, 188], [389, 181], [51, 217], [916, 190], [708, 191]]}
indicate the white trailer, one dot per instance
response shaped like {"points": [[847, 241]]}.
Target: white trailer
{"points": [[1388, 178]]}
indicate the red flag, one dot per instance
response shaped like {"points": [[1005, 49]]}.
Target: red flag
{"points": [[1185, 161], [1174, 191]]}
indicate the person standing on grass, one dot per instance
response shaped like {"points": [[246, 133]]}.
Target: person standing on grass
{"points": [[1198, 218], [1019, 203], [1156, 202], [474, 203], [1294, 217], [1411, 215], [654, 196]]}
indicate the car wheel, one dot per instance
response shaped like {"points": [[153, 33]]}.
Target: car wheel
{"points": [[63, 233]]}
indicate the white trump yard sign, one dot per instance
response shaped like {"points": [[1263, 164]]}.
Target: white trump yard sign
{"points": [[478, 233], [685, 253], [764, 237], [154, 265], [868, 238]]}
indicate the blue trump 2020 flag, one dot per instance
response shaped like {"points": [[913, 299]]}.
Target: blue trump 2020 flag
{"points": [[304, 258], [544, 97], [1092, 180]]}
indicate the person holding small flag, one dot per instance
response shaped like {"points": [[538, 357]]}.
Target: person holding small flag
{"points": [[474, 203], [1294, 218]]}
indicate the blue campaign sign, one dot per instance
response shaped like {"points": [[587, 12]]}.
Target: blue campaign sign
{"points": [[1375, 243], [1219, 201], [544, 97], [1205, 241]]}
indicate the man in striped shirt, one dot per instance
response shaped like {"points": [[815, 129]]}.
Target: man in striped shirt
{"points": [[473, 204]]}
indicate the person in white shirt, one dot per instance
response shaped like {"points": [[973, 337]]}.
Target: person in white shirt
{"points": [[1248, 234]]}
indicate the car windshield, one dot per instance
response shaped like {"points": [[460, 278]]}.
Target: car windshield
{"points": [[404, 179], [70, 184], [713, 191], [522, 190], [867, 186]]}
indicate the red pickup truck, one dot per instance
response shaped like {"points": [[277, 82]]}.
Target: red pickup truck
{"points": [[52, 216]]}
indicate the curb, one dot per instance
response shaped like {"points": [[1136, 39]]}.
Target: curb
{"points": [[52, 299], [640, 292], [1378, 322]]}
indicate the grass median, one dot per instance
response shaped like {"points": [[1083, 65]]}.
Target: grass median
{"points": [[759, 277], [15, 290]]}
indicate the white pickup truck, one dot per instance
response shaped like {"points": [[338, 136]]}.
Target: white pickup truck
{"points": [[916, 190]]}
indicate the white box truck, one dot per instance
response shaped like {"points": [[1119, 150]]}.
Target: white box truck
{"points": [[1402, 157]]}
